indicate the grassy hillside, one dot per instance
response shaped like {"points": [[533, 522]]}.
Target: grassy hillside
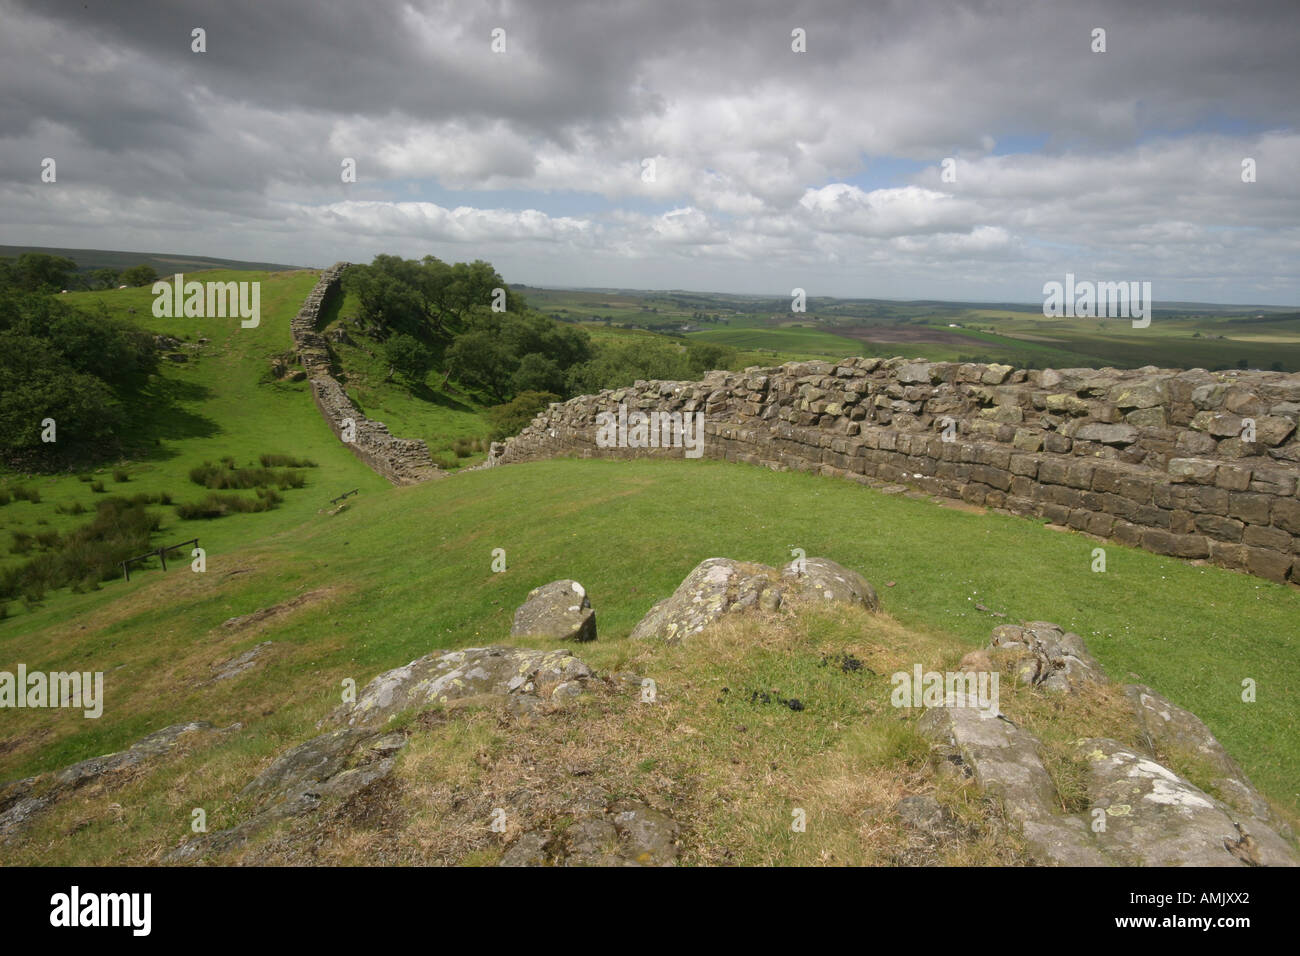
{"points": [[437, 413], [221, 402], [401, 573]]}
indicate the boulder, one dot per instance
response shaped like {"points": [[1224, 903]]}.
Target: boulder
{"points": [[1156, 818], [558, 611], [529, 676], [715, 587], [1048, 657], [823, 579], [718, 586]]}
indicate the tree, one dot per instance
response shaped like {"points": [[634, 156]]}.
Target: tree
{"points": [[41, 272], [480, 360], [537, 373], [139, 275], [104, 278], [408, 356], [40, 386]]}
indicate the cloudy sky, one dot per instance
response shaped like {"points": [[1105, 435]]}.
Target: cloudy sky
{"points": [[772, 168]]}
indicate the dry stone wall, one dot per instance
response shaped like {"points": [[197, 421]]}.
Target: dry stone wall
{"points": [[1194, 464], [402, 461]]}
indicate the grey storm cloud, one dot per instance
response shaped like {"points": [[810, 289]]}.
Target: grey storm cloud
{"points": [[757, 149]]}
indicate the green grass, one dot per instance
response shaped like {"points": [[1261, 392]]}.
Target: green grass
{"points": [[410, 571]]}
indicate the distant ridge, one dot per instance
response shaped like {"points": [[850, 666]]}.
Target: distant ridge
{"points": [[164, 262]]}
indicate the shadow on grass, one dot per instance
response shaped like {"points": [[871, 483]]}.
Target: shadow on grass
{"points": [[426, 394], [159, 414]]}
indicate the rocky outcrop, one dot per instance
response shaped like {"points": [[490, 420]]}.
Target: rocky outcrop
{"points": [[718, 586], [531, 680], [1191, 464], [22, 800], [1048, 657], [402, 461], [1140, 813], [359, 750], [559, 611], [627, 833]]}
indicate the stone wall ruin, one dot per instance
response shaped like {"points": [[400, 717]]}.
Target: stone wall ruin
{"points": [[1193, 464]]}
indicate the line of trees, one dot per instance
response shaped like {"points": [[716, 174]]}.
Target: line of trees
{"points": [[42, 272], [466, 321]]}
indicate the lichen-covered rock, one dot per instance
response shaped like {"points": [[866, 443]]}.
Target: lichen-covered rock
{"points": [[714, 587], [560, 611], [1170, 727], [718, 586], [1007, 764], [1153, 817], [543, 676], [823, 579], [1048, 657]]}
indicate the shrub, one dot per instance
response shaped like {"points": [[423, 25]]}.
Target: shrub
{"points": [[121, 476], [512, 417], [285, 461], [76, 508], [25, 493], [464, 447], [221, 478], [97, 487], [218, 506], [121, 529], [86, 478]]}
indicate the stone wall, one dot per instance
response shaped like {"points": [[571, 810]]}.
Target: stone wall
{"points": [[402, 461], [1154, 458]]}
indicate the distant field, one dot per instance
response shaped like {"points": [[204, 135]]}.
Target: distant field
{"points": [[1186, 335], [164, 263]]}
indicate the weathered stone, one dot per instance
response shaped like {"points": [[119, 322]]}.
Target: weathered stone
{"points": [[824, 580], [1156, 818], [443, 677], [1048, 657], [559, 611], [1107, 434]]}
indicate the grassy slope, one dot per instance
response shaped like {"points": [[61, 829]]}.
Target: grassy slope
{"points": [[404, 571], [221, 402], [439, 416], [409, 571]]}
